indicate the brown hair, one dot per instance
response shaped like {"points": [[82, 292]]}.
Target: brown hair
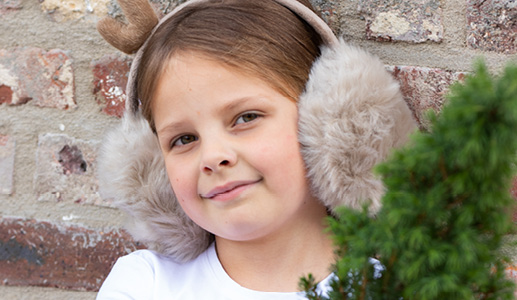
{"points": [[261, 38]]}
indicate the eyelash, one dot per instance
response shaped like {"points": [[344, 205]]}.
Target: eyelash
{"points": [[252, 114], [248, 113], [175, 141]]}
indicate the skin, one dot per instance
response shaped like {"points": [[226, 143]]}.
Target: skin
{"points": [[230, 146]]}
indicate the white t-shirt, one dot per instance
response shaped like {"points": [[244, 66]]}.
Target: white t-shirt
{"points": [[145, 274]]}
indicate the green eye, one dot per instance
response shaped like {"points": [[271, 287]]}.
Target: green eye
{"points": [[184, 140], [247, 117]]}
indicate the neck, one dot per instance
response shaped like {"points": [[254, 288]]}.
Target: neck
{"points": [[277, 262]]}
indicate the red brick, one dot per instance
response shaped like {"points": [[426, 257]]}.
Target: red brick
{"points": [[110, 74], [7, 146], [6, 94], [492, 25], [43, 78], [65, 170], [39, 253], [409, 21], [424, 88], [9, 5]]}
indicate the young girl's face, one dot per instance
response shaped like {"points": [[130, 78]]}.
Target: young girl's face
{"points": [[231, 150]]}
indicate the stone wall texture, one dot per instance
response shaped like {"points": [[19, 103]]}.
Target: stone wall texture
{"points": [[62, 86]]}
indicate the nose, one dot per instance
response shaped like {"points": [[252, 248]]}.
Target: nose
{"points": [[217, 154]]}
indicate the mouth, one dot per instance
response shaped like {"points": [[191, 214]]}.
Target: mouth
{"points": [[228, 190]]}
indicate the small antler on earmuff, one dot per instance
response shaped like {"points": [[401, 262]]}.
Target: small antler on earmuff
{"points": [[129, 37]]}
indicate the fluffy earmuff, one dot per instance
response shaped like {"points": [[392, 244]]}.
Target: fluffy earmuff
{"points": [[350, 116]]}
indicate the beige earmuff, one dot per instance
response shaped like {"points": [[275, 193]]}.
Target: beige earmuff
{"points": [[351, 115]]}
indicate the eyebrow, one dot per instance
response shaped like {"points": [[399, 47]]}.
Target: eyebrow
{"points": [[170, 127], [236, 103], [231, 105]]}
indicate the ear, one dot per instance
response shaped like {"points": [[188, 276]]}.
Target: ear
{"points": [[129, 37]]}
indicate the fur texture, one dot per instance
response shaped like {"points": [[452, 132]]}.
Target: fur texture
{"points": [[351, 115], [132, 172], [129, 37]]}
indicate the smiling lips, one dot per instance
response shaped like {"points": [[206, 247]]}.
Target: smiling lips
{"points": [[229, 190]]}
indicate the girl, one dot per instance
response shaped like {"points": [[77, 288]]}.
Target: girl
{"points": [[262, 122]]}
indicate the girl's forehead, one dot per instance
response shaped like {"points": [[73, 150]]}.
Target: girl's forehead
{"points": [[208, 86], [191, 77], [188, 67], [186, 58]]}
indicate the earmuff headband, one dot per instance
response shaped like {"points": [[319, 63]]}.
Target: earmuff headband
{"points": [[136, 31], [351, 114]]}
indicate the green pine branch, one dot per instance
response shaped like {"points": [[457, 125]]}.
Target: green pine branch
{"points": [[446, 209]]}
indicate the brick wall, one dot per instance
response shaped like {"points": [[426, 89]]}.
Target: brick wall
{"points": [[61, 86]]}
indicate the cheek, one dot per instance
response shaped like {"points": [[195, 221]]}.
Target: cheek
{"points": [[282, 154], [180, 182], [185, 193], [290, 147], [183, 179]]}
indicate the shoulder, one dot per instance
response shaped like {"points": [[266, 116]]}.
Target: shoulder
{"points": [[144, 262], [145, 274], [148, 257]]}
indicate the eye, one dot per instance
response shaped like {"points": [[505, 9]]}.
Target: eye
{"points": [[246, 117], [183, 140]]}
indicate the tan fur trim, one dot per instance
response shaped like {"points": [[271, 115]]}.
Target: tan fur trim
{"points": [[350, 118], [351, 115], [129, 37], [132, 172]]}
